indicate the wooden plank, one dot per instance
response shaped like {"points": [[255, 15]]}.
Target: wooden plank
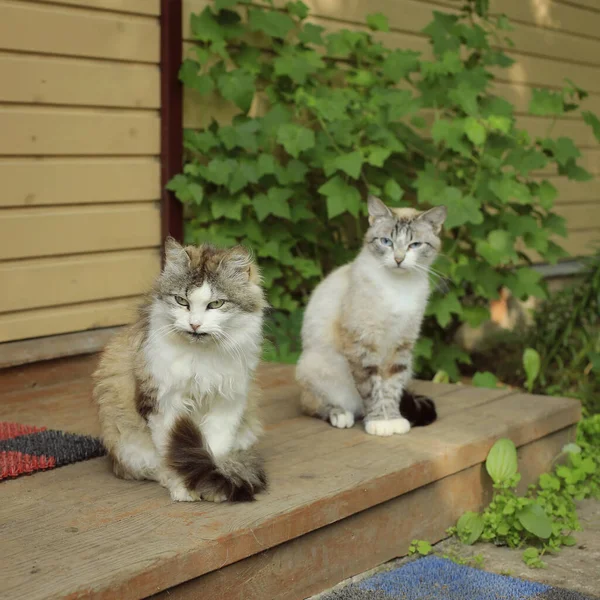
{"points": [[139, 7], [73, 345], [64, 319], [51, 29], [579, 216], [38, 79], [46, 374], [551, 15], [589, 4], [127, 540], [36, 182], [64, 131], [74, 279], [319, 560], [581, 134], [581, 243], [575, 191], [32, 182], [26, 233]]}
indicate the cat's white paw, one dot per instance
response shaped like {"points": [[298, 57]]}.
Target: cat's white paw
{"points": [[387, 427], [341, 419], [179, 493], [214, 497]]}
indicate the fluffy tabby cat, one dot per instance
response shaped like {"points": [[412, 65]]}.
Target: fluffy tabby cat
{"points": [[175, 390], [362, 322]]}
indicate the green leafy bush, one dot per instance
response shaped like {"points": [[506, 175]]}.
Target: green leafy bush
{"points": [[343, 115], [544, 518]]}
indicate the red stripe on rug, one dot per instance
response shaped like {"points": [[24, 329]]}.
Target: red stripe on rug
{"points": [[13, 464], [12, 430]]}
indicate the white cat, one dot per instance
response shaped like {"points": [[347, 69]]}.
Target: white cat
{"points": [[362, 322]]}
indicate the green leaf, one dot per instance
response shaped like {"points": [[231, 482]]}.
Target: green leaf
{"points": [[531, 364], [219, 170], [400, 63], [501, 462], [485, 379], [180, 186], [563, 149], [443, 307], [311, 34], [500, 123], [341, 197], [461, 209], [239, 87], [225, 206], [295, 138], [273, 23], [547, 194], [190, 77], [266, 164], [470, 527], [205, 27], [225, 4], [273, 203], [510, 190], [350, 163], [441, 377], [298, 9], [376, 155], [475, 131], [546, 102], [592, 120], [423, 547], [392, 190], [298, 64], [535, 520], [497, 248], [378, 22]]}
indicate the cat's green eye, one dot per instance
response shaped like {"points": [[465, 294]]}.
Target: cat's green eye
{"points": [[216, 304], [182, 301]]}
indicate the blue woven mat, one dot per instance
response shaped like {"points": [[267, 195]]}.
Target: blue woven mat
{"points": [[434, 578]]}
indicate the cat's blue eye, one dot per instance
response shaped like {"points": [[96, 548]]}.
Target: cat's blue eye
{"points": [[182, 301], [386, 241], [415, 245]]}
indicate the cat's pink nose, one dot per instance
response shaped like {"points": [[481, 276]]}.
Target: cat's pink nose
{"points": [[195, 326], [399, 261]]}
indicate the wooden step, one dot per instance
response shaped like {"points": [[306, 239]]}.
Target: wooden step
{"points": [[340, 501]]}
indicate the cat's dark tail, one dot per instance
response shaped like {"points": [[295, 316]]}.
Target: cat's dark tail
{"points": [[419, 410], [237, 477]]}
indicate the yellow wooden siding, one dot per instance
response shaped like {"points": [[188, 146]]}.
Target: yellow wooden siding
{"points": [[74, 317], [38, 283], [79, 163], [47, 181], [53, 29], [80, 82], [66, 131], [553, 41], [140, 7], [60, 230]]}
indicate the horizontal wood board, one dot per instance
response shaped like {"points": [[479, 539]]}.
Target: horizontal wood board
{"points": [[79, 162], [127, 540]]}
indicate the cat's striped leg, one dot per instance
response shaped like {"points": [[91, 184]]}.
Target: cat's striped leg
{"points": [[387, 383]]}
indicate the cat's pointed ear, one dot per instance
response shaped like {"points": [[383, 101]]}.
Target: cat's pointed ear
{"points": [[377, 209], [435, 217], [240, 261], [175, 254]]}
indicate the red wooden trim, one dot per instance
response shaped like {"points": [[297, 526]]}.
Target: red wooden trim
{"points": [[171, 127]]}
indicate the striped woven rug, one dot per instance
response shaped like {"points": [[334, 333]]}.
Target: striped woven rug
{"points": [[25, 449]]}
